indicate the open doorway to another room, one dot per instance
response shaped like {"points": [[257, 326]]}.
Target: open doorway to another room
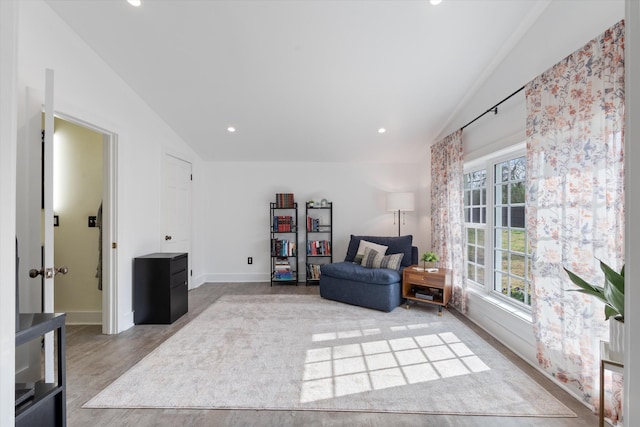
{"points": [[77, 203]]}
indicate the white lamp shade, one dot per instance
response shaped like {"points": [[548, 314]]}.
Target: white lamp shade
{"points": [[401, 202]]}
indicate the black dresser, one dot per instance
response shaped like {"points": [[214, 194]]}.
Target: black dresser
{"points": [[160, 286]]}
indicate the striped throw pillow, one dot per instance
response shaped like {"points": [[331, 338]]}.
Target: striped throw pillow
{"points": [[373, 259]]}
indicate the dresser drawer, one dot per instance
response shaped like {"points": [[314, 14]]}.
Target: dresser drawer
{"points": [[428, 279]]}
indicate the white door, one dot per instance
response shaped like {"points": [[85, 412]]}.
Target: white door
{"points": [[176, 206], [35, 216]]}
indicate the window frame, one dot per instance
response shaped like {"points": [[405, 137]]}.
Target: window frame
{"points": [[489, 163]]}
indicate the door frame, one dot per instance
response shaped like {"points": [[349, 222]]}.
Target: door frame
{"points": [[109, 222]]}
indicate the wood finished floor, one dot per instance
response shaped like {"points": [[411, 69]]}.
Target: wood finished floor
{"points": [[95, 360]]}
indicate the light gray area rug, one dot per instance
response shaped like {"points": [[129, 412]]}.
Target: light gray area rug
{"points": [[301, 352]]}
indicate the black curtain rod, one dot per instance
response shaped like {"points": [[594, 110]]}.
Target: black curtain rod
{"points": [[493, 109]]}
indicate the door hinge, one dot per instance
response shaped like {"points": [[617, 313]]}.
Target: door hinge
{"points": [[191, 177], [114, 245]]}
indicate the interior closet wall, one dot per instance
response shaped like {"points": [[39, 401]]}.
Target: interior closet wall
{"points": [[77, 194]]}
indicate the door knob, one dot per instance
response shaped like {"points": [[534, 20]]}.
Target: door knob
{"points": [[167, 237], [33, 273], [61, 270], [48, 272]]}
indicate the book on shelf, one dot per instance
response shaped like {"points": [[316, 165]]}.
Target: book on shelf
{"points": [[313, 271], [284, 200], [318, 247], [282, 269], [283, 248], [282, 223]]}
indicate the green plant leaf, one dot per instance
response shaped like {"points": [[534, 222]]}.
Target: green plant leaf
{"points": [[586, 287], [614, 288]]}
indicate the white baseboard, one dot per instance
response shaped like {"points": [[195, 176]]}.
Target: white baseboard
{"points": [[83, 318], [236, 278], [125, 321]]}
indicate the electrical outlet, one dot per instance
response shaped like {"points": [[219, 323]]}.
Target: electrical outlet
{"points": [[250, 260]]}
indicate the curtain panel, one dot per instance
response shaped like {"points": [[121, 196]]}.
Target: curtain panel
{"points": [[447, 217], [575, 207]]}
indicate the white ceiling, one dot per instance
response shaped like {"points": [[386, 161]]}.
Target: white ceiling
{"points": [[303, 80]]}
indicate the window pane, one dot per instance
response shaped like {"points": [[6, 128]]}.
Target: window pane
{"points": [[480, 275], [476, 216], [504, 172], [518, 169], [517, 192], [517, 289], [471, 272], [480, 259], [480, 237], [467, 197], [471, 253], [475, 199], [501, 239], [501, 282], [517, 240], [471, 236], [467, 215], [504, 261], [517, 216], [517, 265]]}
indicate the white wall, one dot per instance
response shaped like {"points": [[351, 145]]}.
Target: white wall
{"points": [[88, 90], [8, 135], [237, 209], [563, 27]]}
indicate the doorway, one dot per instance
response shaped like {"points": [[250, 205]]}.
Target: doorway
{"points": [[77, 202], [92, 298]]}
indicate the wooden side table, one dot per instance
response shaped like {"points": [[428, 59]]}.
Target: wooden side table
{"points": [[606, 363], [422, 286]]}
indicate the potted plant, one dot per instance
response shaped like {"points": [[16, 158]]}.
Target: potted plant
{"points": [[429, 257], [612, 295]]}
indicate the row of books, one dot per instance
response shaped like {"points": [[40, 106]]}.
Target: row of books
{"points": [[283, 223], [283, 248], [313, 271], [318, 247], [282, 269], [313, 224], [284, 200]]}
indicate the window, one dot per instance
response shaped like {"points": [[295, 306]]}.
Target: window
{"points": [[498, 255], [475, 214]]}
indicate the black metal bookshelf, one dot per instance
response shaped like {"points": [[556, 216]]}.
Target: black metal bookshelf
{"points": [[284, 242], [319, 239]]}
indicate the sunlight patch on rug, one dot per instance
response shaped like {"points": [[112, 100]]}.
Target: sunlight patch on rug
{"points": [[375, 365]]}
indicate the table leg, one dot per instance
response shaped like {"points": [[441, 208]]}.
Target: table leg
{"points": [[601, 409]]}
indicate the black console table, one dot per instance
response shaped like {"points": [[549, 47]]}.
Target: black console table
{"points": [[45, 403]]}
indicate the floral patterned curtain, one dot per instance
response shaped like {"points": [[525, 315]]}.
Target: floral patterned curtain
{"points": [[447, 218], [575, 207]]}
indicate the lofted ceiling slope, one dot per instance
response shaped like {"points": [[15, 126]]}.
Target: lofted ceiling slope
{"points": [[302, 80]]}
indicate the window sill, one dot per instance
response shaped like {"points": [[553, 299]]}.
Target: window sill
{"points": [[497, 302]]}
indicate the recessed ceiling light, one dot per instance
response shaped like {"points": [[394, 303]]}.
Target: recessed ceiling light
{"points": [[135, 3], [231, 129], [382, 130], [435, 2]]}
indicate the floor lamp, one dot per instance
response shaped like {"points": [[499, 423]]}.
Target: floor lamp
{"points": [[400, 202]]}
